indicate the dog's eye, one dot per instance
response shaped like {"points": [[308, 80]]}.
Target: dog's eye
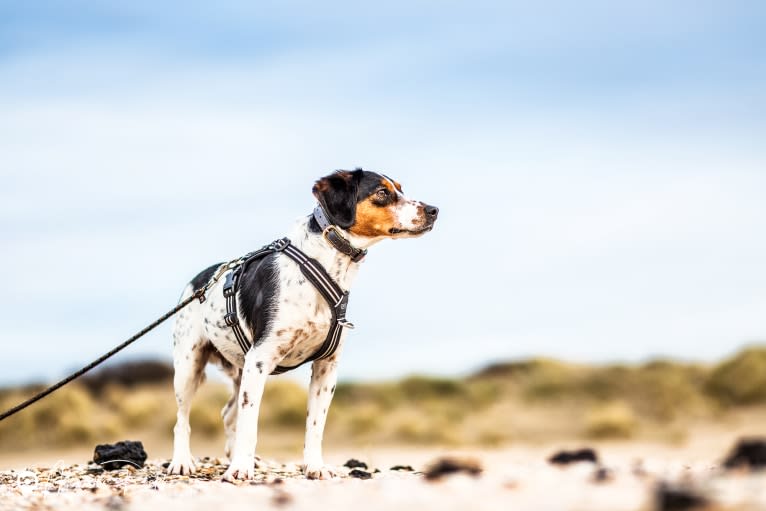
{"points": [[382, 193]]}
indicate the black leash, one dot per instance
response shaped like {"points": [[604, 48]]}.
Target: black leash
{"points": [[311, 269], [199, 294]]}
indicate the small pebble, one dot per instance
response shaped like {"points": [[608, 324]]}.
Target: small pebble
{"points": [[281, 498], [602, 475]]}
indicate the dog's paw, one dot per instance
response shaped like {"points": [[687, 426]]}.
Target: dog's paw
{"points": [[182, 465], [240, 469], [319, 471]]}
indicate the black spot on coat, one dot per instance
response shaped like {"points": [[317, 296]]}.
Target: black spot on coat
{"points": [[203, 277]]}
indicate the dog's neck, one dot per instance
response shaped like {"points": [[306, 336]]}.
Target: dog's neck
{"points": [[307, 236]]}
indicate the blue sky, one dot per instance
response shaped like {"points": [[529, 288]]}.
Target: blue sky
{"points": [[600, 168]]}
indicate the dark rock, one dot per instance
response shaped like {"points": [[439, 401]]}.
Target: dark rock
{"points": [[360, 474], [748, 453], [114, 456], [678, 499], [567, 457], [448, 466], [403, 468], [166, 464], [352, 463]]}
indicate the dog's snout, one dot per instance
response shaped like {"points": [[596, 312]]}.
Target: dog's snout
{"points": [[431, 211]]}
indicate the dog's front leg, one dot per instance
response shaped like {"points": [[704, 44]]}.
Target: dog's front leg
{"points": [[324, 375], [258, 365]]}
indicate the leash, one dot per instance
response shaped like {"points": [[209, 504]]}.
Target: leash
{"points": [[334, 295], [199, 294]]}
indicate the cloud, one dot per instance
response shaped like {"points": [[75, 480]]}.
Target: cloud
{"points": [[593, 205]]}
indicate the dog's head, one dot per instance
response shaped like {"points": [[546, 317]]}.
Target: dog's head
{"points": [[372, 205]]}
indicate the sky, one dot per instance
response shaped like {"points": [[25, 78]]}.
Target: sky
{"points": [[600, 170]]}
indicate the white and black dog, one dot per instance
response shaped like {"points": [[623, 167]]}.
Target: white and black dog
{"points": [[284, 316]]}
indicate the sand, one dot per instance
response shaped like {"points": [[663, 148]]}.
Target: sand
{"points": [[626, 478]]}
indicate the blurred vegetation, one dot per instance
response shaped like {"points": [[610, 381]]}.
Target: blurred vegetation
{"points": [[527, 401]]}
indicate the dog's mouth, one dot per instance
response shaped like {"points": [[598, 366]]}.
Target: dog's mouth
{"points": [[411, 232]]}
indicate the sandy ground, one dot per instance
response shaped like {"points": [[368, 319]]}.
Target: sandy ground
{"points": [[626, 478]]}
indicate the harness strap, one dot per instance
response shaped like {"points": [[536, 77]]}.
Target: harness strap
{"points": [[231, 319], [230, 286], [315, 273]]}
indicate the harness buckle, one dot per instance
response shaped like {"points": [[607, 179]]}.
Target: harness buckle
{"points": [[340, 312], [328, 229], [231, 319], [279, 245], [228, 285]]}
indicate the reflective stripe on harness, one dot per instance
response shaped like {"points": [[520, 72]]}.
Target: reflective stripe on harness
{"points": [[335, 297]]}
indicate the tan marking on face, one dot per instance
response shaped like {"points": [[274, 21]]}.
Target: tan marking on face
{"points": [[388, 184], [372, 220]]}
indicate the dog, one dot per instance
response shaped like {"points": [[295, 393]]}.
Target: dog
{"points": [[284, 317]]}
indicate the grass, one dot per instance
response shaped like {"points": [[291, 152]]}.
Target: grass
{"points": [[614, 420], [532, 400], [740, 380]]}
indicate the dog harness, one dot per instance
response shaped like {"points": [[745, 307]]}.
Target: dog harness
{"points": [[336, 298]]}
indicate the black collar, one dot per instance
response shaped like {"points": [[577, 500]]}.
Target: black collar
{"points": [[332, 234]]}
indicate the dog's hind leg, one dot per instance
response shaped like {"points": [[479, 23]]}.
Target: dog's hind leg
{"points": [[229, 412], [190, 355]]}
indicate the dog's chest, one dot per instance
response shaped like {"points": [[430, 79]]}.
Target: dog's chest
{"points": [[302, 317], [300, 320]]}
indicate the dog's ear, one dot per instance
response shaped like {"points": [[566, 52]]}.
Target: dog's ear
{"points": [[337, 193]]}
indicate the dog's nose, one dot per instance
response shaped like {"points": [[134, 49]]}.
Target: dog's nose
{"points": [[431, 212]]}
